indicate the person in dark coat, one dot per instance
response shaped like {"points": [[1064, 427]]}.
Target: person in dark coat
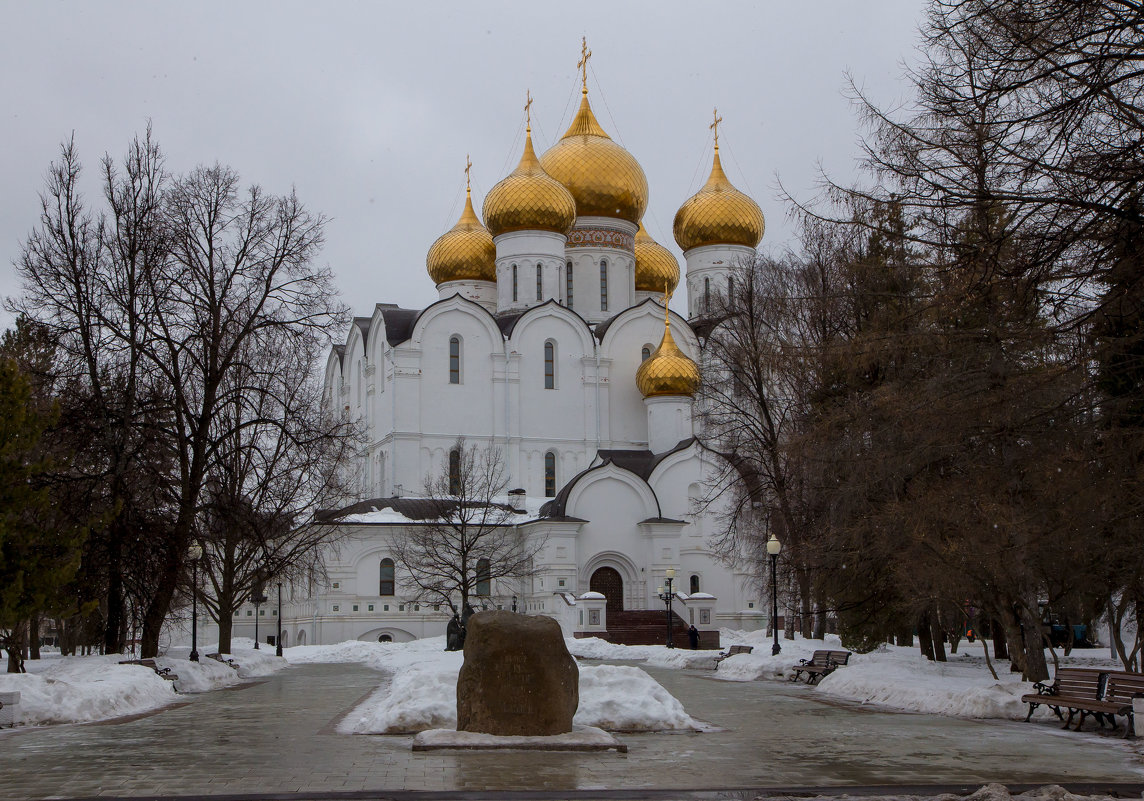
{"points": [[454, 634], [693, 636]]}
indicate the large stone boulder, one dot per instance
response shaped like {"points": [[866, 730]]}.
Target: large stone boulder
{"points": [[518, 677]]}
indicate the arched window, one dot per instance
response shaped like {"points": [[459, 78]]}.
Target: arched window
{"points": [[646, 353], [706, 294], [603, 284], [730, 289], [484, 578], [539, 282], [387, 577], [549, 365], [550, 475], [455, 472], [694, 584], [454, 360], [568, 284], [514, 284]]}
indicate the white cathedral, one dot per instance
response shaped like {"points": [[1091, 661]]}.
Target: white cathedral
{"points": [[551, 342]]}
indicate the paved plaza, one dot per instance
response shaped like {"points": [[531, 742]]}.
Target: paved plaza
{"points": [[277, 736]]}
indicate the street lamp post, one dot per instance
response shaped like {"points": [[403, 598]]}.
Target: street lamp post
{"points": [[257, 598], [773, 548], [195, 552], [667, 596], [278, 639], [514, 603]]}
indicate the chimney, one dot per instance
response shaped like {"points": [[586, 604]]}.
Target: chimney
{"points": [[516, 499]]}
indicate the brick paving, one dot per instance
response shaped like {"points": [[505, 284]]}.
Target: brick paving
{"points": [[277, 736]]}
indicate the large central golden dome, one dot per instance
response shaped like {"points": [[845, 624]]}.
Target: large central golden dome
{"points": [[656, 267], [718, 214], [465, 252], [668, 371], [529, 199], [605, 179]]}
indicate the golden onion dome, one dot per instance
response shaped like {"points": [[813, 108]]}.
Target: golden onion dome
{"points": [[668, 371], [529, 199], [656, 267], [604, 179], [465, 252], [718, 214]]}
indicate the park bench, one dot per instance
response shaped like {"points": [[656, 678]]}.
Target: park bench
{"points": [[1104, 694], [732, 651], [162, 672], [823, 663], [230, 663]]}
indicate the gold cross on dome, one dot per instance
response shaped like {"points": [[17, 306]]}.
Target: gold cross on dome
{"points": [[715, 126], [582, 64], [468, 167], [528, 108]]}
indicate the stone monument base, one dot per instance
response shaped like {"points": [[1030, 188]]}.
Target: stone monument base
{"points": [[588, 738]]}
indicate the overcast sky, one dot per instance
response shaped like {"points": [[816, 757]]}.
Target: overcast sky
{"points": [[368, 109]]}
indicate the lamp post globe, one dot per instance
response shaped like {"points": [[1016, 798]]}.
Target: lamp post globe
{"points": [[195, 553], [773, 549]]}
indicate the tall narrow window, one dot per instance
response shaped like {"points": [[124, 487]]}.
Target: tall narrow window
{"points": [[387, 578], [568, 284], [646, 353], [706, 294], [514, 284], [549, 366], [539, 282], [694, 584], [603, 284], [484, 578], [730, 289], [455, 472], [550, 475], [454, 360]]}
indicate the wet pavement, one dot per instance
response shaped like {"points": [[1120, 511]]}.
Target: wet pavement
{"points": [[277, 736]]}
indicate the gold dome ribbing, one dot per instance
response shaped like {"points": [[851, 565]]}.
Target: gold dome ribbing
{"points": [[529, 199], [668, 371], [465, 252], [718, 214], [604, 179], [655, 265]]}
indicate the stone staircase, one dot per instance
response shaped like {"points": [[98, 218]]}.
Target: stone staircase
{"points": [[646, 627]]}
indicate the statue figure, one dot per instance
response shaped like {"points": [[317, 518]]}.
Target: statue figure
{"points": [[454, 634]]}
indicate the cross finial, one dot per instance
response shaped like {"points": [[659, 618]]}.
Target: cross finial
{"points": [[468, 167], [582, 64], [528, 110], [715, 126]]}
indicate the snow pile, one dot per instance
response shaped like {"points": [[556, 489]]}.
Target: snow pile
{"points": [[619, 698], [654, 655], [424, 696], [80, 689]]}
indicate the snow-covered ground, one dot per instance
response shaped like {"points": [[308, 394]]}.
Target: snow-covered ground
{"points": [[81, 689], [901, 678], [418, 690]]}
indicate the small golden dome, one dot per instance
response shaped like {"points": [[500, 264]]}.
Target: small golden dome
{"points": [[668, 371], [656, 267], [529, 199], [465, 252], [718, 214], [605, 179]]}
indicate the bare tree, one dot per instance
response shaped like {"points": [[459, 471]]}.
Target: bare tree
{"points": [[473, 541], [166, 300]]}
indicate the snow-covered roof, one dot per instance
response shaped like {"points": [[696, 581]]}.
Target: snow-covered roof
{"points": [[702, 596], [592, 595], [416, 510]]}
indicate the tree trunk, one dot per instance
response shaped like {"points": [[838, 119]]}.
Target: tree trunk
{"points": [[997, 632], [115, 625], [34, 635], [820, 625], [938, 638], [225, 625], [1014, 641], [925, 636], [15, 646], [1035, 669], [904, 637], [806, 623], [156, 614]]}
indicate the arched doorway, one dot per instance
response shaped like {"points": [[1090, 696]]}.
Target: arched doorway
{"points": [[609, 582]]}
